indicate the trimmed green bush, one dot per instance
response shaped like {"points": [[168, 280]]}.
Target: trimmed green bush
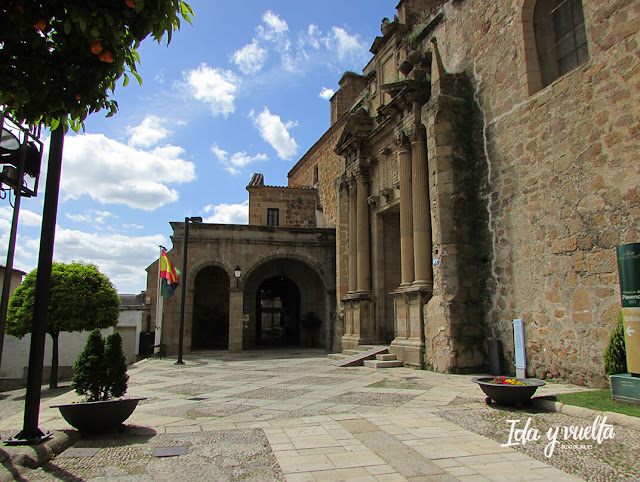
{"points": [[117, 377], [101, 374], [615, 356]]}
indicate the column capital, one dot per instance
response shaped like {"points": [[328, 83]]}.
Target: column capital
{"points": [[402, 141], [362, 175], [418, 133]]}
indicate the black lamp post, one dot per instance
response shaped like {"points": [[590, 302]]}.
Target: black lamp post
{"points": [[17, 159], [187, 220], [237, 273]]}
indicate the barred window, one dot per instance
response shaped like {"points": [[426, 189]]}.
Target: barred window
{"points": [[273, 216], [561, 39]]}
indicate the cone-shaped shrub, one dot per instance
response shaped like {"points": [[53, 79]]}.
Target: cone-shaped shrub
{"points": [[116, 363], [90, 368], [615, 356]]}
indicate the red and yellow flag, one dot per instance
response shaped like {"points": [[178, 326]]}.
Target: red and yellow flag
{"points": [[168, 276]]}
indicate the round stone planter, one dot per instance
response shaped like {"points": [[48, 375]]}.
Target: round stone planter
{"points": [[98, 416], [508, 394]]}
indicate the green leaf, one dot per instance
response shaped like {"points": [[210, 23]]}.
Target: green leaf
{"points": [[126, 80]]}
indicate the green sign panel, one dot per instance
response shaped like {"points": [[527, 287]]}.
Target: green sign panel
{"points": [[629, 271]]}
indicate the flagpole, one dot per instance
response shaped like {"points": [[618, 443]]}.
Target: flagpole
{"points": [[159, 306]]}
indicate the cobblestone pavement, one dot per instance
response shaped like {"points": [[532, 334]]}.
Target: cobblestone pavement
{"points": [[291, 415]]}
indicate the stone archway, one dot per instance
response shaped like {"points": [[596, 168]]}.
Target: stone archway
{"points": [[287, 305], [278, 312], [210, 329]]}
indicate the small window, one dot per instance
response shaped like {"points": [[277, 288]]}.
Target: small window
{"points": [[561, 38], [273, 217], [315, 174]]}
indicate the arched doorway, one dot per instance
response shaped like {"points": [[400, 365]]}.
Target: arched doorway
{"points": [[211, 310], [278, 312]]}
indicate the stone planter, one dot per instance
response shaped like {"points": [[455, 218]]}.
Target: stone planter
{"points": [[98, 416], [508, 394]]}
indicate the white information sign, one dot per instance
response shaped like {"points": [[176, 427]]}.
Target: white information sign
{"points": [[518, 344]]}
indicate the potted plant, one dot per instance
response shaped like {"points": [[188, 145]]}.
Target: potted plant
{"points": [[508, 391], [101, 375]]}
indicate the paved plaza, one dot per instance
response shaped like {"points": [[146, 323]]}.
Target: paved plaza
{"points": [[292, 415]]}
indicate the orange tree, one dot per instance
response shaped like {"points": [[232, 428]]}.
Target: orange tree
{"points": [[60, 58], [58, 61]]}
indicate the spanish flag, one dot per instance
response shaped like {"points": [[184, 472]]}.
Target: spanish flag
{"points": [[168, 276]]}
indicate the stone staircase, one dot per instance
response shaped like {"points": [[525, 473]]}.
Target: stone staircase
{"points": [[372, 356]]}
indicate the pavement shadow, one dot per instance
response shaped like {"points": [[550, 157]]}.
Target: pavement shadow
{"points": [[60, 473], [120, 437], [8, 466], [47, 393]]}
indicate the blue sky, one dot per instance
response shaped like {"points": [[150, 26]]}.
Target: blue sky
{"points": [[243, 90]]}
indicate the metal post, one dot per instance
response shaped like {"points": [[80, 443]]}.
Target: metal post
{"points": [[30, 433], [184, 289]]}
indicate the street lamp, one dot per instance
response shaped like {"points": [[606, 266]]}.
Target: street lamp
{"points": [[237, 273], [187, 220], [18, 159]]}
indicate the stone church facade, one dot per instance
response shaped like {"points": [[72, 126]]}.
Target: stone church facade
{"points": [[481, 169]]}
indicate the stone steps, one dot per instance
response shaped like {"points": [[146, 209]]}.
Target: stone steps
{"points": [[386, 360], [353, 358]]}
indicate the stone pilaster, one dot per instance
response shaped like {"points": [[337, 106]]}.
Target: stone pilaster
{"points": [[406, 209]]}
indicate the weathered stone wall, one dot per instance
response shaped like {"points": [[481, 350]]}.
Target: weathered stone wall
{"points": [[330, 166], [562, 179], [297, 206]]}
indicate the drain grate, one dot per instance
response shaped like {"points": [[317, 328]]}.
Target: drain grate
{"points": [[170, 451], [79, 452]]}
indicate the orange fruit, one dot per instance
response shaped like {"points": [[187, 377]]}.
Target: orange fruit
{"points": [[78, 96], [130, 3], [40, 24], [106, 56], [96, 47]]}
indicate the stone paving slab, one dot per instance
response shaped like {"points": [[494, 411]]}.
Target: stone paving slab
{"points": [[261, 420]]}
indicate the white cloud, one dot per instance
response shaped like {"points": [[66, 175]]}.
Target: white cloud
{"points": [[276, 133], [149, 132], [313, 36], [274, 25], [113, 173], [326, 94], [122, 258], [250, 58], [228, 213], [236, 161], [348, 47], [214, 86], [25, 217], [93, 216]]}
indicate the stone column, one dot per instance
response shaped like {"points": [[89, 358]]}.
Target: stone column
{"points": [[421, 210], [353, 237], [236, 298], [406, 208], [363, 246]]}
